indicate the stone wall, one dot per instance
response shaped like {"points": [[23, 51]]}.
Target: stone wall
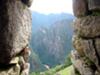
{"points": [[15, 32], [86, 39]]}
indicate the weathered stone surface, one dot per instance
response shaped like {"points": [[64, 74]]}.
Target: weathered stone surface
{"points": [[88, 49], [78, 45], [22, 62], [88, 27], [97, 73], [15, 70], [15, 28], [14, 60], [26, 70], [80, 65], [94, 4], [80, 8], [97, 44], [26, 53]]}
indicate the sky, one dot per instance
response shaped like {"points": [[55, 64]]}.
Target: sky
{"points": [[52, 6]]}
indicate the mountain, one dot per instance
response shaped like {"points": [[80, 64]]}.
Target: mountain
{"points": [[39, 19], [51, 39]]}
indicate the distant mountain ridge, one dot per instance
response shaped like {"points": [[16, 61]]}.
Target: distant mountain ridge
{"points": [[39, 19]]}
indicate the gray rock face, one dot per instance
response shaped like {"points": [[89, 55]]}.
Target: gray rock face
{"points": [[86, 47], [94, 4], [15, 70], [17, 66], [97, 44], [88, 26], [80, 7], [80, 65], [78, 45], [26, 70], [15, 28]]}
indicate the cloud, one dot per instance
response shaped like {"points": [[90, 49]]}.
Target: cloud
{"points": [[52, 6]]}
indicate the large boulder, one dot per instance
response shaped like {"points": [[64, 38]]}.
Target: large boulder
{"points": [[80, 64], [88, 27], [15, 28], [88, 47], [80, 8]]}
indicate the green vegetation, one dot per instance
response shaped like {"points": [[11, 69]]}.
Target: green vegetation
{"points": [[57, 70], [67, 71], [68, 61], [64, 69]]}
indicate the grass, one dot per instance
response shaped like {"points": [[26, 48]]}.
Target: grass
{"points": [[64, 69], [67, 71], [57, 71]]}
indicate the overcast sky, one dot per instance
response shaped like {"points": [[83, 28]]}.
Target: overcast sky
{"points": [[52, 6]]}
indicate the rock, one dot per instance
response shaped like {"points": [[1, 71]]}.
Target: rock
{"points": [[22, 63], [88, 27], [86, 40], [78, 45], [15, 70], [15, 28], [15, 60], [88, 49], [97, 44], [80, 65], [94, 4], [26, 53], [80, 8], [26, 70], [27, 2], [97, 73]]}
